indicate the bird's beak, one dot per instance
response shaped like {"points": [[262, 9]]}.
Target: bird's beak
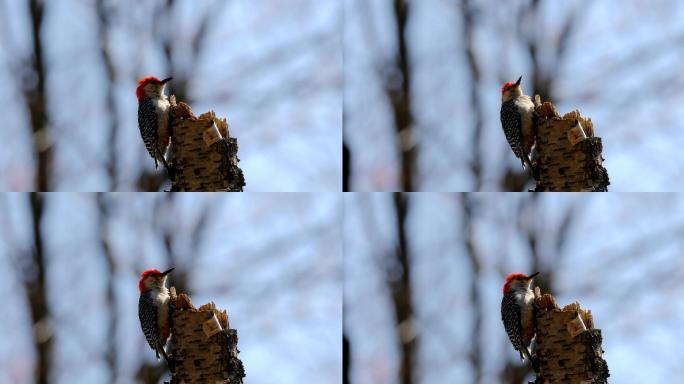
{"points": [[167, 271], [516, 83], [166, 80], [530, 277]]}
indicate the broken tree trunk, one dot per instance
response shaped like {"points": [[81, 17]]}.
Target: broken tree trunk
{"points": [[568, 154], [204, 348], [568, 346], [204, 156]]}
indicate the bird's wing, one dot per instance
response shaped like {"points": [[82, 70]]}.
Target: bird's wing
{"points": [[147, 313], [511, 320], [147, 122], [510, 122]]}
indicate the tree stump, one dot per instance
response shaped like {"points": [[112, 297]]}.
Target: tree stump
{"points": [[568, 153], [204, 156], [204, 348], [568, 346]]}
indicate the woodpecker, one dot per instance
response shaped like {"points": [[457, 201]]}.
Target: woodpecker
{"points": [[153, 309], [517, 312], [517, 116], [153, 117]]}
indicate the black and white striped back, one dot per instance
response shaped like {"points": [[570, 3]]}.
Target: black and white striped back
{"points": [[147, 313], [148, 124], [510, 315], [512, 127]]}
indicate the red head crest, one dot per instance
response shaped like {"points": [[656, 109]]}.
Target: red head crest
{"points": [[140, 92], [507, 86], [510, 85], [516, 276], [151, 273], [145, 275]]}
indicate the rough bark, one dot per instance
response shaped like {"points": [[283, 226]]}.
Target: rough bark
{"points": [[202, 161], [204, 348], [568, 346], [569, 154]]}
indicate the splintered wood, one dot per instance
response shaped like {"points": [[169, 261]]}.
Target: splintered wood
{"points": [[569, 153], [204, 154], [204, 346], [568, 346]]}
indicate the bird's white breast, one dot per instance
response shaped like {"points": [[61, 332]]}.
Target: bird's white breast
{"points": [[525, 104]]}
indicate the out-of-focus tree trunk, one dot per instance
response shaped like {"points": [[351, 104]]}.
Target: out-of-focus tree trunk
{"points": [[346, 357], [400, 98], [475, 353], [36, 100], [399, 281], [346, 167], [110, 297], [473, 67], [36, 291], [111, 110]]}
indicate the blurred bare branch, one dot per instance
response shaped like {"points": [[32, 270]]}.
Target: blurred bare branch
{"points": [[111, 112], [346, 359], [110, 295], [399, 283], [476, 354], [35, 285], [476, 107], [346, 167], [36, 99], [397, 86]]}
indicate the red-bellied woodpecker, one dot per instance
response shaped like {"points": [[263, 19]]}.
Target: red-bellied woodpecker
{"points": [[153, 309], [517, 311], [517, 117], [153, 117]]}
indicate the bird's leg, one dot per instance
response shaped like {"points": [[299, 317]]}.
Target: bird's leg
{"points": [[533, 361], [169, 363], [534, 163], [166, 165]]}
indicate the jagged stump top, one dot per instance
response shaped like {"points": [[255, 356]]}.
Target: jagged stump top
{"points": [[570, 155], [568, 346], [203, 160], [204, 347]]}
